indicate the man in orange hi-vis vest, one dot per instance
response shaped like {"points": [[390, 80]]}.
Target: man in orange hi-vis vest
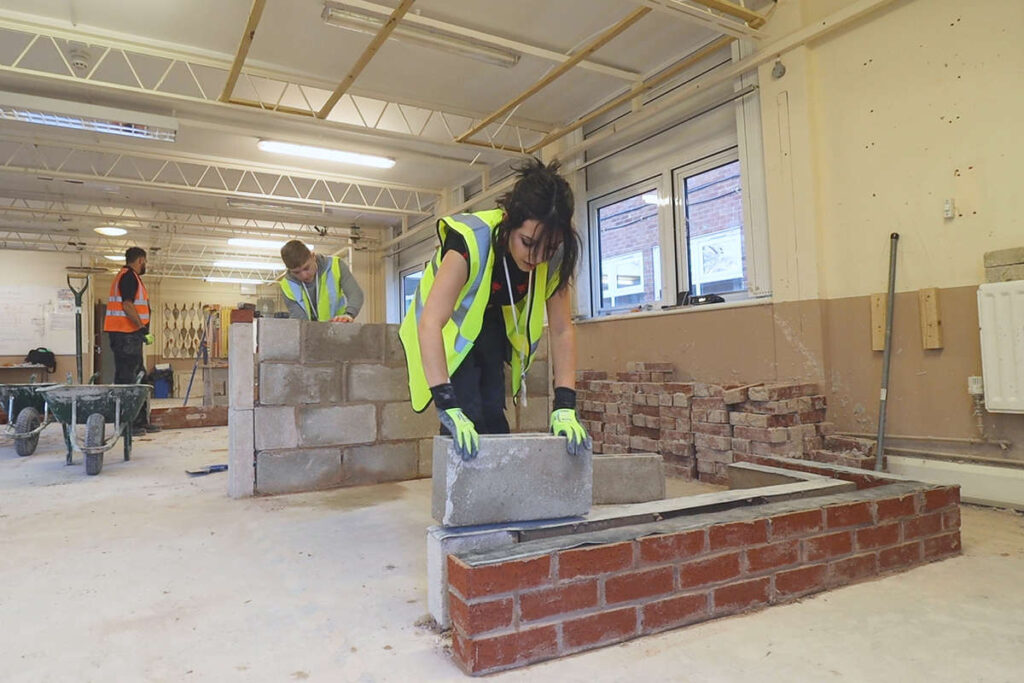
{"points": [[127, 325]]}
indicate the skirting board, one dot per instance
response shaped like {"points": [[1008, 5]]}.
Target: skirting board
{"points": [[998, 486]]}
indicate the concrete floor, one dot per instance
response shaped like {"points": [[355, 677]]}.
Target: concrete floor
{"points": [[145, 574]]}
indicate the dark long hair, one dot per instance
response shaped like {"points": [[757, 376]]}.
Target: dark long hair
{"points": [[542, 194]]}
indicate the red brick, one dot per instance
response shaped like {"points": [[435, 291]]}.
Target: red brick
{"points": [[951, 519], [514, 649], [891, 508], [900, 557], [611, 626], [852, 569], [774, 555], [797, 523], [721, 443], [722, 430], [592, 561], [474, 582], [242, 315], [740, 596], [848, 515], [877, 536], [940, 498], [671, 547], [812, 416], [924, 525], [673, 612], [479, 617], [829, 545], [558, 600], [939, 546], [764, 434], [800, 581], [636, 585], [679, 388], [711, 570], [738, 534]]}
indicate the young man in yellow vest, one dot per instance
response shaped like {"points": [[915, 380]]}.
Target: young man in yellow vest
{"points": [[481, 303], [127, 325], [319, 287]]}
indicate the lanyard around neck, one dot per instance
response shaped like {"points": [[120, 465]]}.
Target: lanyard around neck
{"points": [[515, 322]]}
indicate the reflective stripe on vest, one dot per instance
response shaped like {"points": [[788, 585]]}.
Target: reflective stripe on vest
{"points": [[462, 329], [331, 300], [116, 320]]}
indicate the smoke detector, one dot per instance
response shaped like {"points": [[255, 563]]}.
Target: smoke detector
{"points": [[79, 59]]}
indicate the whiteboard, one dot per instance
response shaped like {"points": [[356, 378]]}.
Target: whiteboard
{"points": [[37, 315]]}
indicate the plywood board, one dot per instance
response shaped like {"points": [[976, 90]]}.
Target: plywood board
{"points": [[878, 312], [931, 322]]}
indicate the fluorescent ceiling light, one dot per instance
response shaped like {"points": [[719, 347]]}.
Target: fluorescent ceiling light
{"points": [[111, 230], [114, 257], [236, 280], [258, 244], [367, 22], [78, 116], [249, 265], [324, 154]]}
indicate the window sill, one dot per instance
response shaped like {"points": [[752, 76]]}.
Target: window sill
{"points": [[743, 303]]}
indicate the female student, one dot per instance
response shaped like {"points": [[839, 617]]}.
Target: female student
{"points": [[481, 303]]}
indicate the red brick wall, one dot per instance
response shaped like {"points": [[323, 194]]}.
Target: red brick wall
{"points": [[512, 613]]}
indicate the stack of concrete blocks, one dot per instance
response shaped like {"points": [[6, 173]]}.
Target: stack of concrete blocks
{"points": [[332, 407], [1004, 265]]}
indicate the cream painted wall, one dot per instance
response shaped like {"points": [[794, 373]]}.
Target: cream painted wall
{"points": [[873, 127]]}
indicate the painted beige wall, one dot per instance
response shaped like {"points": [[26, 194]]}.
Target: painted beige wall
{"points": [[873, 127]]}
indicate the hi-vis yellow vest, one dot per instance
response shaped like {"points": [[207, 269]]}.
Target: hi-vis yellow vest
{"points": [[461, 331], [331, 300]]}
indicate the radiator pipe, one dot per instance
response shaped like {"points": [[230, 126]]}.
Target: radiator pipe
{"points": [[1004, 445], [894, 238]]}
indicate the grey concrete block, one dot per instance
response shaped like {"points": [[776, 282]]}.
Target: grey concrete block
{"points": [[297, 470], [275, 427], [442, 542], [1004, 257], [377, 383], [399, 421], [279, 339], [241, 365], [394, 352], [342, 342], [426, 457], [535, 416], [514, 478], [633, 478], [241, 454], [337, 425], [380, 462], [1005, 273], [294, 384]]}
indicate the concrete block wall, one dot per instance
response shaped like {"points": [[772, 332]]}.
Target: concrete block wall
{"points": [[331, 408], [512, 607]]}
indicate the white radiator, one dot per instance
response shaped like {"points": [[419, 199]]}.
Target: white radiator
{"points": [[1001, 319]]}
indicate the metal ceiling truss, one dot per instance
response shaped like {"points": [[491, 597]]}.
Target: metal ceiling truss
{"points": [[164, 171], [721, 16], [179, 76]]}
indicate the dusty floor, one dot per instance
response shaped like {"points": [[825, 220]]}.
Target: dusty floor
{"points": [[145, 574]]}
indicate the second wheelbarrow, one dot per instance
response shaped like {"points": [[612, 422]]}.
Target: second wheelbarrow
{"points": [[95, 406], [27, 414]]}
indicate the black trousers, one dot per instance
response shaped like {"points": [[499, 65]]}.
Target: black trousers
{"points": [[127, 348], [480, 380]]}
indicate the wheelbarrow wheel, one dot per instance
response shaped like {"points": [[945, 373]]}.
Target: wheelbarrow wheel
{"points": [[94, 439], [28, 421]]}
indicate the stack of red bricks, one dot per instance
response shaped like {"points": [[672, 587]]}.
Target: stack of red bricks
{"points": [[780, 419]]}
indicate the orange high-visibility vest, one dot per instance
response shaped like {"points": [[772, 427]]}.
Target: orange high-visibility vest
{"points": [[116, 319]]}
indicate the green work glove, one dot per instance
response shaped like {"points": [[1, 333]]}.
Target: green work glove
{"points": [[467, 441], [564, 423], [149, 338]]}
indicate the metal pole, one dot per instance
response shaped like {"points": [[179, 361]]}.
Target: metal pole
{"points": [[887, 354]]}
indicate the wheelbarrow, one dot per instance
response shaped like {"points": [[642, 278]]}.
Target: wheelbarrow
{"points": [[95, 406], [27, 414]]}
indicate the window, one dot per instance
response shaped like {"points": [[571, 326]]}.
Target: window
{"points": [[713, 206], [627, 232], [410, 280]]}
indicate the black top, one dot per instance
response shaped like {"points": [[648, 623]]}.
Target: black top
{"points": [[129, 285], [499, 289]]}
